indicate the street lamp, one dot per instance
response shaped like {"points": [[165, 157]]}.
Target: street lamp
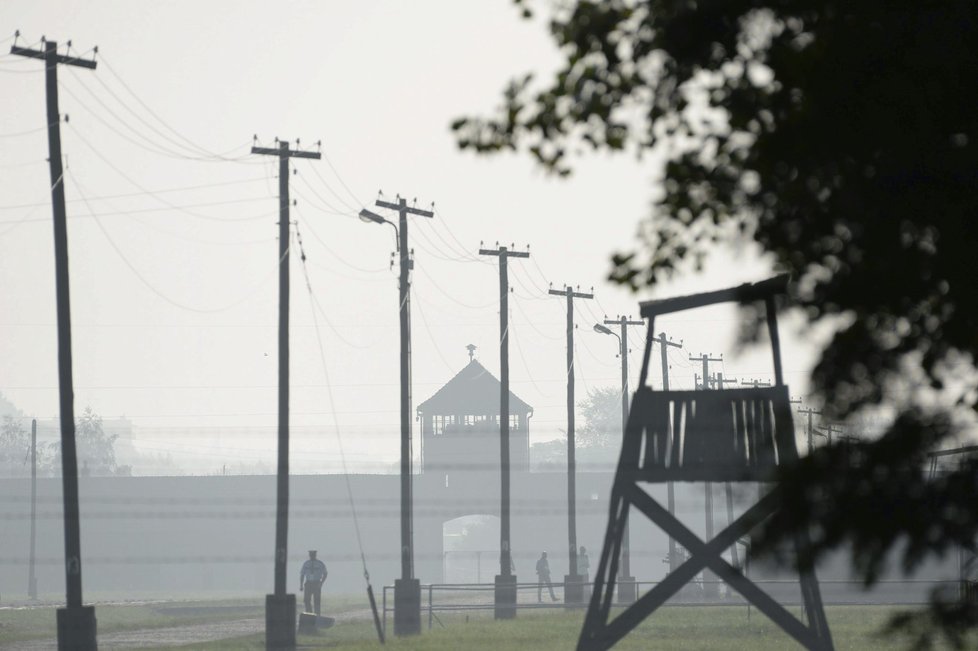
{"points": [[368, 217]]}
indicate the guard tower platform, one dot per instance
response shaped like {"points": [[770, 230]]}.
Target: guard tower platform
{"points": [[727, 435]]}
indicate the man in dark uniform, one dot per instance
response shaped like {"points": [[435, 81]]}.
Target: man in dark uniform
{"points": [[543, 577], [311, 578], [584, 569]]}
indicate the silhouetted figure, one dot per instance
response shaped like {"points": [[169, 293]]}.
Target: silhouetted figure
{"points": [[311, 578], [543, 577], [583, 569]]}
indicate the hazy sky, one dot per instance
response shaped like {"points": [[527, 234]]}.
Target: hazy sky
{"points": [[174, 291]]}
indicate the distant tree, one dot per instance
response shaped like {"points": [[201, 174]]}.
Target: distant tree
{"points": [[549, 455], [601, 413], [842, 139], [15, 447], [95, 449]]}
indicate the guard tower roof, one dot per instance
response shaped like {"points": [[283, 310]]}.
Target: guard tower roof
{"points": [[474, 390]]}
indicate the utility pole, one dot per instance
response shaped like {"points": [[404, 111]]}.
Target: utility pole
{"points": [[811, 429], [31, 576], [280, 606], [664, 344], [829, 431], [719, 381], [505, 596], [626, 582], [76, 623], [407, 589], [709, 585], [573, 586]]}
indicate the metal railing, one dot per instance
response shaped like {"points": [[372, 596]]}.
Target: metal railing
{"points": [[469, 597]]}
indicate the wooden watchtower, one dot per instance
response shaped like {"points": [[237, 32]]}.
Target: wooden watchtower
{"points": [[733, 435], [460, 425]]}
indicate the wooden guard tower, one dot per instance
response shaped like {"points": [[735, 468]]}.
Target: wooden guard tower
{"points": [[460, 425], [735, 435]]}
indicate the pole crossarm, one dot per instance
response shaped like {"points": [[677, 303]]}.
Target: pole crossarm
{"points": [[505, 253], [286, 152], [403, 207], [626, 322], [570, 292], [63, 59]]}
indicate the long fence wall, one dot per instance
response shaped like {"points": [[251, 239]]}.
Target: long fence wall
{"points": [[149, 536]]}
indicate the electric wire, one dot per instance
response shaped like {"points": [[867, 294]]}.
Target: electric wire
{"points": [[150, 192], [529, 322], [126, 195], [329, 249], [526, 365], [18, 134], [191, 144], [461, 247], [156, 291], [431, 336], [195, 149], [482, 306], [339, 440], [330, 208], [28, 216], [315, 300], [352, 207], [149, 145], [540, 296], [436, 252]]}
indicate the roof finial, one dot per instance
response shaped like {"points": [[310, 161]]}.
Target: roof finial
{"points": [[471, 348]]}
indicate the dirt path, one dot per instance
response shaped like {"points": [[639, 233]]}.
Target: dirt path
{"points": [[173, 636]]}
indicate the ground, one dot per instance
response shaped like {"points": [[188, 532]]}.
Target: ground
{"points": [[238, 625]]}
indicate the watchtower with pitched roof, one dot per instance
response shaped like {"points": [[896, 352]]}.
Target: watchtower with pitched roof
{"points": [[460, 424]]}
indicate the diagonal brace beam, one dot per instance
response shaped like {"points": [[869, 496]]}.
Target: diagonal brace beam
{"points": [[708, 555]]}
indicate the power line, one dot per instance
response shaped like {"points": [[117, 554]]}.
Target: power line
{"points": [[125, 195], [351, 207], [240, 160], [153, 288], [140, 187]]}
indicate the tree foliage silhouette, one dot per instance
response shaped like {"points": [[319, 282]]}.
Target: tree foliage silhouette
{"points": [[840, 137]]}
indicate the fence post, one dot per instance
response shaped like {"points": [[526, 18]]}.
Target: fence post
{"points": [[430, 607], [385, 611]]}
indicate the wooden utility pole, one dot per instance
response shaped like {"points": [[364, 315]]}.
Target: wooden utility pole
{"points": [[626, 582], [829, 431], [407, 589], [505, 598], [709, 584], [31, 576], [573, 587], [810, 430], [664, 344], [76, 623], [280, 606]]}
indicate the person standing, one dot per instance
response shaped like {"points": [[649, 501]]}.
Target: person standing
{"points": [[543, 577], [312, 576], [584, 569]]}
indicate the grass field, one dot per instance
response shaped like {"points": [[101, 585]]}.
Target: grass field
{"points": [[29, 623], [854, 628]]}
